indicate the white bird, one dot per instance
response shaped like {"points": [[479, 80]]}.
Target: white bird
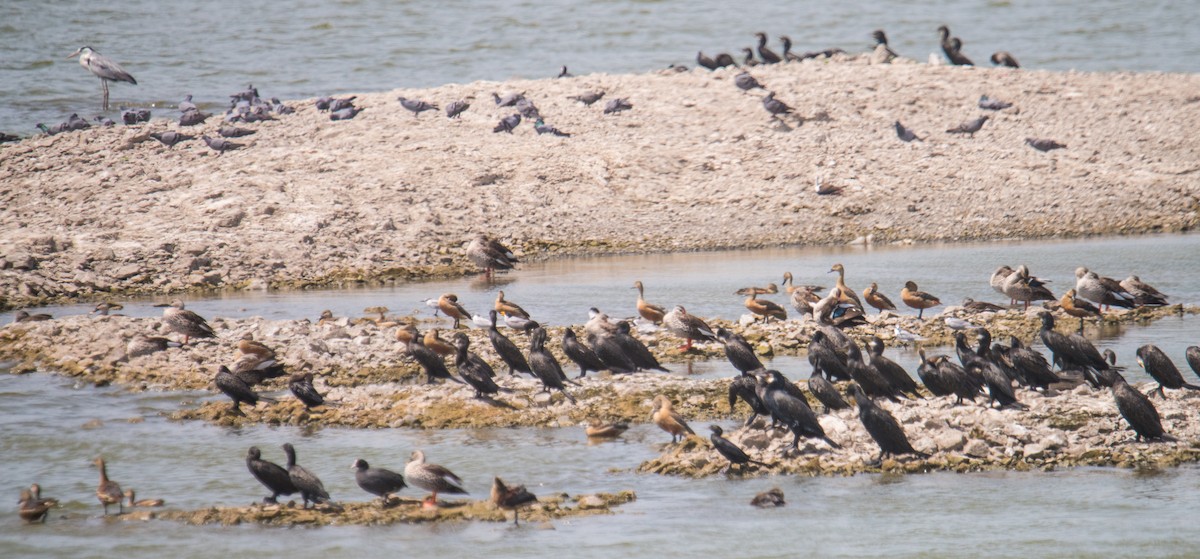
{"points": [[103, 68], [904, 336], [481, 321], [515, 322], [956, 323], [433, 304]]}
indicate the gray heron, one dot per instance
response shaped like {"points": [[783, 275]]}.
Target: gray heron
{"points": [[103, 68]]}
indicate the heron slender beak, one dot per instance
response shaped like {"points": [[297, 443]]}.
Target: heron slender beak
{"points": [[74, 54]]}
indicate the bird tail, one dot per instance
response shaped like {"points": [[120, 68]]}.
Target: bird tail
{"points": [[764, 464], [1191, 386], [830, 442], [569, 396]]}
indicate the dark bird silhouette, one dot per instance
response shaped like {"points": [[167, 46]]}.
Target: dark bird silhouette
{"points": [[310, 487], [345, 114], [193, 118], [5, 138], [508, 100], [237, 390], [377, 481], [1004, 58], [545, 366], [770, 498], [108, 491], [135, 116], [765, 54], [745, 82], [542, 128], [969, 127], [791, 411], [220, 145], [1162, 369], [731, 452], [301, 385], [788, 55], [456, 108], [617, 105], [508, 123], [507, 350], [429, 360], [826, 392], [170, 137], [744, 387], [416, 106], [233, 131], [581, 354], [473, 369], [1073, 351], [883, 52], [990, 104], [749, 57], [775, 106], [882, 427], [890, 370], [1044, 144], [1139, 412], [1031, 365], [273, 476], [1193, 359], [563, 73], [102, 67], [905, 134], [980, 306], [635, 349], [944, 378], [511, 498], [588, 97], [738, 351], [611, 353], [528, 110], [952, 46], [702, 60]]}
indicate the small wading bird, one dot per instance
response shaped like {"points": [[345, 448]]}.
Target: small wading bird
{"points": [[103, 68]]}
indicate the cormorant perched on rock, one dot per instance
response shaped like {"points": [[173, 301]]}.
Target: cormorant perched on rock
{"points": [[739, 352], [433, 478], [952, 46], [668, 420], [185, 322], [473, 369], [722, 60], [730, 451], [767, 55], [507, 350], [377, 481], [581, 354], [826, 392], [1029, 364], [1138, 411], [872, 381], [545, 366], [270, 474], [430, 361], [301, 385], [1004, 58], [790, 410], [892, 371], [237, 389], [511, 498], [749, 57], [944, 378], [1158, 365], [310, 487], [827, 354], [998, 385], [770, 498], [635, 349], [744, 387], [1073, 351], [882, 427], [108, 491]]}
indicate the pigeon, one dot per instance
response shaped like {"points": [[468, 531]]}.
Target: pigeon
{"points": [[336, 105], [992, 104], [775, 106], [528, 110], [170, 137], [323, 103], [192, 118], [103, 121], [234, 132], [219, 145], [746, 82], [508, 100], [280, 108], [969, 127], [588, 98], [135, 116], [1003, 58], [75, 122], [1044, 144], [543, 128], [187, 105], [456, 108], [905, 134], [617, 105], [248, 95], [345, 114], [416, 106], [52, 130], [508, 123]]}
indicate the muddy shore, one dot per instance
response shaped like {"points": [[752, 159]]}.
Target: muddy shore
{"points": [[696, 164]]}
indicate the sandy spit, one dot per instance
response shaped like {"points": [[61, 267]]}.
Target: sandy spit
{"points": [[696, 164]]}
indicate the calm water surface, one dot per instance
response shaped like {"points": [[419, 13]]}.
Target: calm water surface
{"points": [[306, 48], [1088, 512]]}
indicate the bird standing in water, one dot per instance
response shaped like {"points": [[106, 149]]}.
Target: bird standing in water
{"points": [[102, 67]]}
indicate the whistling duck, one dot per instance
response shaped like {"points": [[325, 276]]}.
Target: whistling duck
{"points": [[511, 498], [508, 308], [598, 429], [916, 299], [108, 491], [1078, 308], [878, 300], [435, 342], [846, 292], [770, 289], [131, 497], [668, 420], [980, 306], [449, 305], [763, 308], [32, 507], [651, 312]]}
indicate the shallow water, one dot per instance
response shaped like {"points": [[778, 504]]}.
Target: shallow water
{"points": [[305, 48]]}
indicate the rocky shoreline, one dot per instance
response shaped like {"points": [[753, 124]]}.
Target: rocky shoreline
{"points": [[108, 212]]}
